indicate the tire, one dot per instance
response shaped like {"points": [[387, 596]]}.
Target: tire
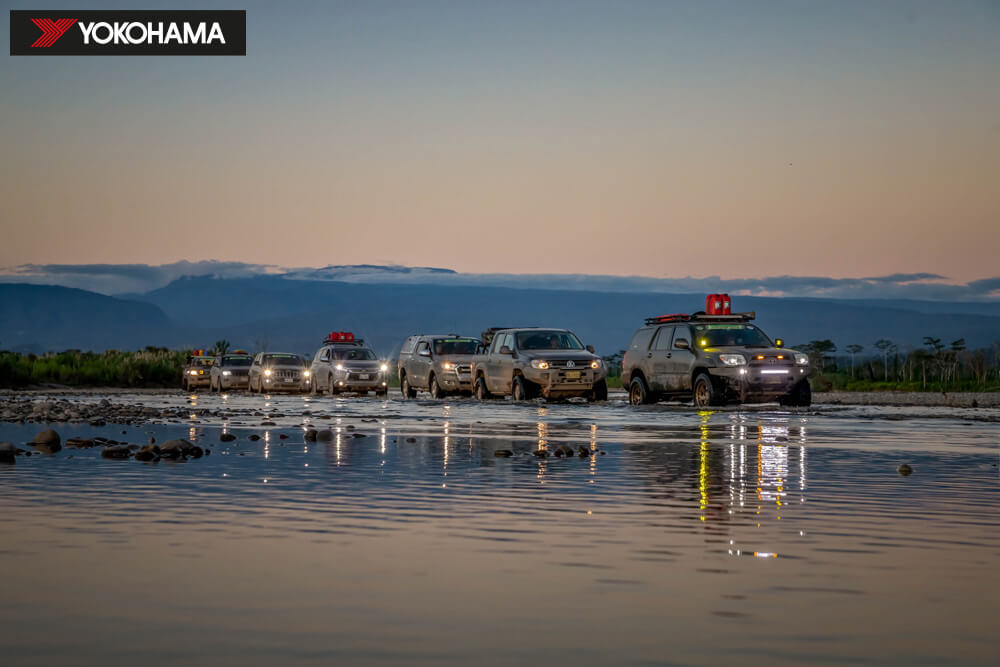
{"points": [[407, 389], [333, 388], [799, 396], [481, 392], [381, 393], [706, 394], [185, 386], [600, 391], [519, 389], [436, 392], [638, 392]]}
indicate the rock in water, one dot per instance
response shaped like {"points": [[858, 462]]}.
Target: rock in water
{"points": [[116, 452], [541, 453], [148, 453], [7, 452], [311, 435], [254, 437], [503, 453], [326, 435], [904, 470], [227, 437], [584, 452], [47, 441]]}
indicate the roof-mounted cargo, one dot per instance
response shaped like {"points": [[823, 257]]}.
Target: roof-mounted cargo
{"points": [[342, 337]]}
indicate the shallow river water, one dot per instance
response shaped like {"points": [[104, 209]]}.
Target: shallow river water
{"points": [[685, 537]]}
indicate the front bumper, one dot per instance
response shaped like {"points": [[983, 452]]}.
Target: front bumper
{"points": [[759, 383], [452, 381], [199, 380], [281, 384], [565, 382], [356, 381], [234, 381]]}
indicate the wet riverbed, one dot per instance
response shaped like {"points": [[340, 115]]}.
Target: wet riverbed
{"points": [[680, 537]]}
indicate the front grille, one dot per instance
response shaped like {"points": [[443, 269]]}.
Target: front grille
{"points": [[586, 377], [772, 362], [286, 374], [356, 375], [242, 373], [465, 369], [580, 364]]}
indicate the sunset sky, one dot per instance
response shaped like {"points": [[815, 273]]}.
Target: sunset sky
{"points": [[650, 138]]}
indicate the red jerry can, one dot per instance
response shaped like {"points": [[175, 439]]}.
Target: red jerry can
{"points": [[718, 304]]}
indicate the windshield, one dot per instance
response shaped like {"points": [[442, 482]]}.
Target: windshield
{"points": [[548, 340], [741, 335], [353, 354], [202, 361], [282, 360], [236, 361], [446, 346]]}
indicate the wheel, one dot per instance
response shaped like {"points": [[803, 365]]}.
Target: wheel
{"points": [[333, 387], [185, 386], [435, 388], [407, 389], [705, 392], [312, 386], [600, 391], [800, 395], [381, 393], [638, 392], [519, 390], [481, 392]]}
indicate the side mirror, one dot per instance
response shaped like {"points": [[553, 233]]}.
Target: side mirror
{"points": [[506, 350], [682, 344], [424, 353], [590, 348], [778, 342]]}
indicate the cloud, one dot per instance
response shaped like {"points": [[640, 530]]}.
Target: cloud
{"points": [[138, 278]]}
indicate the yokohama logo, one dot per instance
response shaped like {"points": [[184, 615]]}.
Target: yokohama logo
{"points": [[51, 31], [141, 32]]}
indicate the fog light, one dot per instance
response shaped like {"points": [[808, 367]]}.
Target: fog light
{"points": [[743, 371]]}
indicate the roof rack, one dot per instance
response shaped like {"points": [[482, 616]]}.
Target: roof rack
{"points": [[700, 316]]}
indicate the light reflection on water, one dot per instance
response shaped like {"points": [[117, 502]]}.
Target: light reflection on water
{"points": [[697, 537]]}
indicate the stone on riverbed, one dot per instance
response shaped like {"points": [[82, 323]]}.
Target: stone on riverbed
{"points": [[311, 435], [7, 452], [325, 435], [47, 441], [116, 452], [504, 453], [148, 453], [227, 437], [904, 470]]}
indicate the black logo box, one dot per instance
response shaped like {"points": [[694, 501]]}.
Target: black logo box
{"points": [[24, 33]]}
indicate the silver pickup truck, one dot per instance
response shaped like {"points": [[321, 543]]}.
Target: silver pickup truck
{"points": [[526, 363], [440, 364]]}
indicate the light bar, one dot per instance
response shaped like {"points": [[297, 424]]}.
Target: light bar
{"points": [[771, 371]]}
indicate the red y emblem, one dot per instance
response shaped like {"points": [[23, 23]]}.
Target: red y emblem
{"points": [[51, 30]]}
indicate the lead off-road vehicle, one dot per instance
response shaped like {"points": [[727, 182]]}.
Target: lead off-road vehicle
{"points": [[278, 371], [712, 359], [526, 363], [440, 364]]}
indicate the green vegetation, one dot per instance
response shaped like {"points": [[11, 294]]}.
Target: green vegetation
{"points": [[152, 367], [936, 366]]}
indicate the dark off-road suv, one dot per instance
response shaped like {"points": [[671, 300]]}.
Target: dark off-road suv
{"points": [[713, 359]]}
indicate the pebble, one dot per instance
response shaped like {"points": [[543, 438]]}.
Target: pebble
{"points": [[904, 470], [503, 453]]}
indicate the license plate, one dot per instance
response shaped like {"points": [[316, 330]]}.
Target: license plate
{"points": [[362, 376], [572, 375]]}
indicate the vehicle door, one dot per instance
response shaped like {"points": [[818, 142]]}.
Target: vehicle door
{"points": [[422, 361], [321, 367], [496, 361], [658, 357], [255, 368], [680, 361], [406, 356]]}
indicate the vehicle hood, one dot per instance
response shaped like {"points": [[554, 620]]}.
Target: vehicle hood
{"points": [[360, 364]]}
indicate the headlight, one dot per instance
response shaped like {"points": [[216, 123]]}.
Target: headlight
{"points": [[539, 363], [385, 367], [192, 372], [227, 372], [596, 363], [447, 365], [733, 359], [267, 372], [339, 367], [306, 374], [801, 359]]}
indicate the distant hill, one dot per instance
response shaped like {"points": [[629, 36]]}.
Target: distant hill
{"points": [[42, 317], [293, 315]]}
